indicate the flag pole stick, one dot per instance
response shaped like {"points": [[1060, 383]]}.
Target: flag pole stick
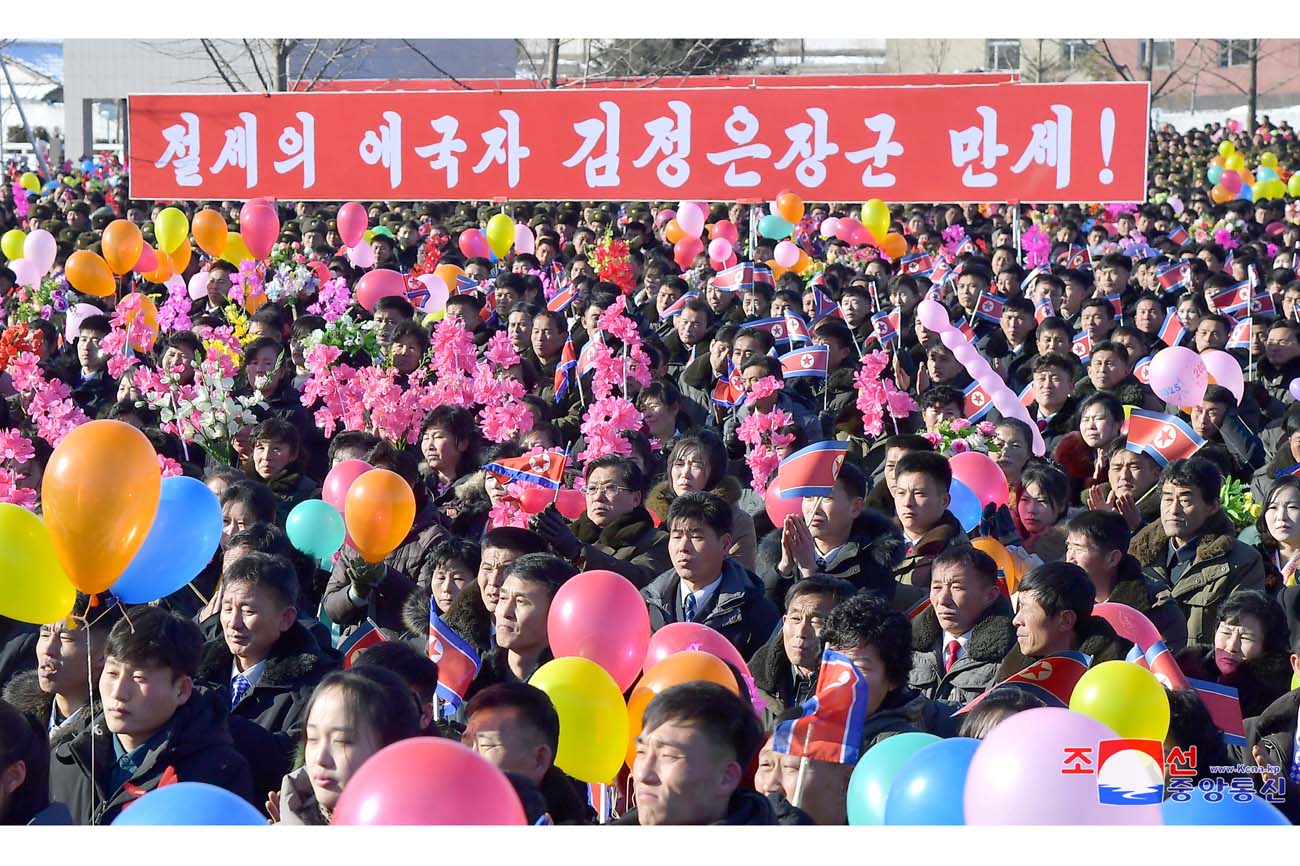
{"points": [[797, 799]]}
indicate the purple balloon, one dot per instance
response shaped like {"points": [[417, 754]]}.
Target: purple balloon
{"points": [[1178, 375], [1294, 388], [933, 316]]}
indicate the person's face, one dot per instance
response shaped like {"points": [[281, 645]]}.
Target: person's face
{"points": [[690, 325], [829, 518], [252, 620], [1036, 509], [744, 348], [719, 355], [508, 743], [271, 457], [175, 357], [1189, 315], [218, 288], [1110, 280], [1243, 641], [1044, 289], [591, 319], [665, 297], [942, 365], [778, 307], [659, 419], [477, 271], [1210, 335], [140, 699], [61, 658], [933, 416], [448, 579], [1081, 551], [751, 377], [1039, 634], [1095, 323], [1016, 326], [407, 354], [1053, 340], [999, 261], [1207, 418], [548, 337], [1282, 517], [1098, 427], [235, 517], [682, 777], [442, 450], [506, 297], [521, 615], [1106, 370], [1290, 303], [960, 597], [1183, 511], [261, 364], [836, 352], [689, 472], [491, 574], [519, 327], [892, 456], [608, 496], [809, 306], [801, 629], [89, 353], [1281, 347], [336, 746], [855, 310], [866, 658], [545, 254], [919, 502], [1131, 474], [1131, 345], [697, 551], [1015, 453], [719, 300], [968, 291]]}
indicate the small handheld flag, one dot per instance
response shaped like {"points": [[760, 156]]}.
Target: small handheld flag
{"points": [[1240, 338], [774, 326], [1081, 348], [796, 328], [885, 326], [564, 369], [545, 469], [811, 471], [677, 306], [810, 361], [562, 300], [363, 638], [1142, 370], [1173, 277], [976, 402], [730, 390], [737, 278], [918, 264], [458, 663], [1043, 309], [1178, 234], [1052, 679], [1224, 708], [830, 724], [989, 307], [1163, 437], [1173, 330]]}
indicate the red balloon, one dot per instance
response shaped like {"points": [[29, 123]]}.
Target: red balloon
{"points": [[351, 222], [473, 244], [984, 477], [846, 228], [685, 251], [321, 271], [252, 203], [680, 636], [259, 227], [428, 781], [571, 503], [601, 616], [1129, 623], [147, 262], [376, 284], [778, 508], [534, 499], [339, 481]]}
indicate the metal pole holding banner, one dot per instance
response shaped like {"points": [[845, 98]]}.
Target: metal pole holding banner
{"points": [[27, 127], [1015, 230]]}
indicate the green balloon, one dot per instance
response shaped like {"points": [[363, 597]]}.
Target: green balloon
{"points": [[316, 528], [772, 226], [875, 772]]}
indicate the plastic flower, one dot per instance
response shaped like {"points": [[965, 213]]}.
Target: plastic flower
{"points": [[986, 428], [763, 388], [13, 493], [959, 424], [500, 352], [16, 447], [170, 468], [959, 446], [934, 438]]}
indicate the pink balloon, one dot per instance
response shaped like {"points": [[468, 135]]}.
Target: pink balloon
{"points": [[254, 203], [407, 783], [260, 227], [40, 248], [339, 481], [726, 230], [953, 339], [1129, 623], [828, 227], [77, 314], [778, 508], [983, 476], [719, 249], [361, 256], [933, 316], [731, 261], [352, 222], [845, 228], [438, 292], [680, 636], [1015, 776], [381, 283], [147, 262], [861, 237], [685, 251], [524, 240], [1225, 370], [473, 244], [601, 616], [1231, 181], [786, 254], [26, 272], [1178, 375], [690, 216]]}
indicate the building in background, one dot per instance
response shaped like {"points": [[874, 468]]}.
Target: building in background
{"points": [[36, 70]]}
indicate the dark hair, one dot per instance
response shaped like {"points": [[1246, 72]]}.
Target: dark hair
{"points": [[1052, 481], [928, 463], [707, 508], [1256, 603], [96, 324], [1192, 727], [351, 439], [305, 325], [909, 441], [271, 316], [1105, 530], [253, 495], [1021, 428], [966, 557], [185, 340], [374, 696], [765, 339], [399, 461], [1100, 304], [1062, 586], [532, 705], [866, 618], [1052, 359], [258, 345], [394, 304], [722, 717], [852, 479], [633, 477], [452, 549], [771, 365], [413, 329], [1219, 394], [819, 584], [23, 738], [545, 569], [1197, 473], [417, 670], [275, 429], [263, 569], [834, 329], [157, 637], [997, 704], [515, 539], [1114, 408], [708, 444], [1114, 348], [942, 395]]}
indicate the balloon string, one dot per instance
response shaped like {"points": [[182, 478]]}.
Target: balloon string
{"points": [[195, 590], [90, 685]]}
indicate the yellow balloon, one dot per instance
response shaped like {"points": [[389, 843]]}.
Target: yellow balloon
{"points": [[1235, 162], [1268, 158], [875, 216], [170, 229], [500, 234], [11, 244], [236, 250], [593, 717], [1125, 698], [33, 585], [1227, 148], [30, 182]]}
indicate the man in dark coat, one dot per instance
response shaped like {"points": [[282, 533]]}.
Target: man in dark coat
{"points": [[922, 480], [705, 585], [1273, 743], [156, 727]]}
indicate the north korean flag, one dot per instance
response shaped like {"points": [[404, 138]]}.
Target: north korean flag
{"points": [[1164, 437], [1173, 277], [967, 329], [587, 357], [1240, 338], [1079, 259], [1262, 304], [677, 306], [730, 390], [811, 361], [1026, 395], [1178, 234], [918, 264], [824, 305], [417, 293], [1142, 370], [940, 272], [1052, 679], [774, 326], [1173, 330], [737, 278], [1160, 661], [935, 293], [1043, 309], [1224, 708], [811, 471], [967, 247], [885, 326], [830, 723], [1116, 303], [796, 328], [976, 402], [458, 664], [562, 300], [564, 369], [545, 469], [1233, 298], [763, 274], [1081, 348], [366, 636], [989, 307]]}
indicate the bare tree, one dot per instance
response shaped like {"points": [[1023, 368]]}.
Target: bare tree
{"points": [[935, 53], [271, 65], [659, 58], [1217, 56], [1161, 81]]}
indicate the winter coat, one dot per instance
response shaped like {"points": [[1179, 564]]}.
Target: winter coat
{"points": [[1152, 599], [992, 637], [1098, 640], [774, 678], [914, 569], [840, 397], [24, 694], [496, 669], [464, 508], [94, 395], [805, 419], [744, 542], [1221, 566], [290, 488], [905, 710], [867, 560], [1259, 682], [738, 609], [1048, 545], [1060, 424], [17, 648], [563, 802], [1275, 734], [197, 747], [631, 546], [746, 808]]}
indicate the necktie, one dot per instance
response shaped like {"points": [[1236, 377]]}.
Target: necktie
{"points": [[690, 608], [821, 563], [950, 654], [239, 687]]}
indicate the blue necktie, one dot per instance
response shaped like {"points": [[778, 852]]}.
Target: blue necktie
{"points": [[239, 687], [689, 607]]}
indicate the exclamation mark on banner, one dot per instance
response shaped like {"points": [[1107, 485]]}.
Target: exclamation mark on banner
{"points": [[1107, 142]]}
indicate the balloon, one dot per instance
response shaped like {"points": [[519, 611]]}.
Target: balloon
{"points": [[964, 505], [1215, 173], [846, 227], [40, 248], [778, 508], [1008, 565], [33, 585], [933, 316], [500, 234], [381, 283], [691, 217], [1230, 180], [1294, 388], [438, 292], [100, 496], [11, 244], [361, 256], [1223, 369], [260, 227], [190, 804], [1234, 162], [982, 475], [1266, 173], [30, 181], [198, 286], [801, 266], [180, 257], [828, 226], [1293, 185], [147, 261], [351, 222], [1268, 158], [407, 783], [524, 240], [774, 227], [872, 777], [1178, 375], [726, 230], [593, 718], [170, 228], [875, 217], [1176, 203], [789, 207], [894, 245], [1227, 148], [679, 637], [339, 481], [1220, 195], [924, 787], [473, 244], [210, 232], [1198, 811], [601, 616], [379, 511], [571, 503], [786, 254], [316, 528], [89, 274], [236, 250], [1124, 697], [685, 251], [673, 232], [122, 244], [25, 272], [682, 667], [719, 250], [448, 273]]}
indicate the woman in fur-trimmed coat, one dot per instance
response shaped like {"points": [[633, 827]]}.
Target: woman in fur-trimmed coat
{"points": [[744, 542]]}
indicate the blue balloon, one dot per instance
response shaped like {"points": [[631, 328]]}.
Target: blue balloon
{"points": [[185, 534], [1265, 173], [1198, 811], [1246, 192], [1213, 173], [965, 505], [928, 787], [772, 226], [876, 771], [87, 166], [190, 804]]}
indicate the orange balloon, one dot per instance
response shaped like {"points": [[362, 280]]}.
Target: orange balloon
{"points": [[378, 512], [180, 257], [210, 232], [163, 272], [1246, 177], [1008, 566], [1220, 195], [100, 495], [1218, 160], [673, 232], [89, 274], [449, 272], [801, 267], [777, 270], [790, 207], [122, 244], [894, 246], [682, 667]]}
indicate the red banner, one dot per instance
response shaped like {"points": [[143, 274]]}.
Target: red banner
{"points": [[870, 79], [1001, 142]]}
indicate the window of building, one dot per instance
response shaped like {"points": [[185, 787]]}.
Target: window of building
{"points": [[1002, 54], [1162, 49], [1075, 51], [1234, 52]]}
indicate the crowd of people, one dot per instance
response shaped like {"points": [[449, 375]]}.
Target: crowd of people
{"points": [[661, 387]]}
